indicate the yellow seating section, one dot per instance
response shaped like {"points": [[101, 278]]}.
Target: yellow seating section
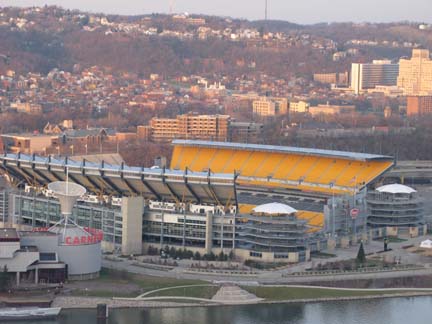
{"points": [[336, 169], [269, 165], [185, 158], [376, 168], [286, 166], [254, 163], [176, 158], [235, 163], [302, 168], [203, 159], [245, 208], [319, 171], [311, 170], [350, 176], [221, 161], [315, 219]]}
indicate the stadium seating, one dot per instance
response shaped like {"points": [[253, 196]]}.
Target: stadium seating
{"points": [[272, 167], [236, 162], [203, 159], [269, 165], [334, 171], [289, 162], [259, 158], [350, 176], [319, 170], [315, 220], [303, 167], [220, 161], [185, 158]]}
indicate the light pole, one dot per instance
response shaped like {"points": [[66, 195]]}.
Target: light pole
{"points": [[333, 211]]}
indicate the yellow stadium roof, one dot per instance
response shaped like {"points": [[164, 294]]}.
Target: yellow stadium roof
{"points": [[284, 149]]}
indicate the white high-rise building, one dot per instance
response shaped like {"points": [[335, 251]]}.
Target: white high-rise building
{"points": [[368, 76], [415, 78]]}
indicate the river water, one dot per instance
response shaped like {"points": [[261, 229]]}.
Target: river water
{"points": [[415, 310]]}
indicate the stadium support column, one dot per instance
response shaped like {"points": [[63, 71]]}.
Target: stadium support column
{"points": [[132, 220], [184, 228], [209, 232], [162, 231]]}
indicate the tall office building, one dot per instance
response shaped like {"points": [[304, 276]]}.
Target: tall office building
{"points": [[368, 76], [415, 75]]}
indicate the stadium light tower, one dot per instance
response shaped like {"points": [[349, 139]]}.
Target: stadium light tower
{"points": [[67, 193]]}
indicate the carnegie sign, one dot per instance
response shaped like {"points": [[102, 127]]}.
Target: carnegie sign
{"points": [[94, 236]]}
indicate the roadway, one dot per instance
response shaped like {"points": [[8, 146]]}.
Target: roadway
{"points": [[284, 275]]}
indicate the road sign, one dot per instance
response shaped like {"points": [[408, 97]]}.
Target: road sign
{"points": [[354, 213]]}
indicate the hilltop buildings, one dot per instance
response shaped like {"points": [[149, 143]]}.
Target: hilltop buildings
{"points": [[267, 107], [329, 109], [415, 74], [419, 105], [210, 127], [368, 76]]}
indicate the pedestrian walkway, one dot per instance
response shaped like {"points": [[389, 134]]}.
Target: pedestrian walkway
{"points": [[231, 294]]}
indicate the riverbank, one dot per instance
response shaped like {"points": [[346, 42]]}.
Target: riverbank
{"points": [[71, 302]]}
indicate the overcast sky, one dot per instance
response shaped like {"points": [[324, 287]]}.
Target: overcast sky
{"points": [[303, 11]]}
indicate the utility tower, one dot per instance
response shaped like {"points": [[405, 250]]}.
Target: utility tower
{"points": [[171, 6]]}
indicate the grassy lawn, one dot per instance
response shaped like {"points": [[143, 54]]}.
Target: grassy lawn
{"points": [[288, 293], [146, 283], [206, 292], [104, 293], [114, 283]]}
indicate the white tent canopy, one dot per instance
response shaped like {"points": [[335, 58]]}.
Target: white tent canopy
{"points": [[274, 209], [396, 188], [426, 244]]}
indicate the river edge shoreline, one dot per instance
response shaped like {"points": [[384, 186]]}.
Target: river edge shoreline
{"points": [[71, 303]]}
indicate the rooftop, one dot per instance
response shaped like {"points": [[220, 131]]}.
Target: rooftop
{"points": [[8, 235], [285, 149], [274, 209], [122, 180], [396, 188]]}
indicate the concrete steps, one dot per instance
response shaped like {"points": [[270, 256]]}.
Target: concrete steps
{"points": [[231, 294]]}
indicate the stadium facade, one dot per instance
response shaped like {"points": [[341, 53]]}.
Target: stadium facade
{"points": [[205, 201], [397, 209]]}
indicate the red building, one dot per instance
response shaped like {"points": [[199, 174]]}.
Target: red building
{"points": [[419, 105]]}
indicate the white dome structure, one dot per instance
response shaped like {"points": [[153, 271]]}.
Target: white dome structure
{"points": [[426, 244], [274, 209], [396, 188]]}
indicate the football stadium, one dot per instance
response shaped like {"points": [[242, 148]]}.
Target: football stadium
{"points": [[257, 202]]}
